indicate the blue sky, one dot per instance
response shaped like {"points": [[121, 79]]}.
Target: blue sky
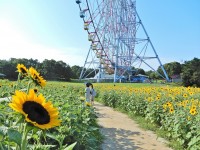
{"points": [[52, 29]]}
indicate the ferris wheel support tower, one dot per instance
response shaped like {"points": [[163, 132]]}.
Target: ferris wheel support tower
{"points": [[162, 67], [119, 40]]}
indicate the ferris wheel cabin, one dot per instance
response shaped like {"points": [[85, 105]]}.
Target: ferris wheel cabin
{"points": [[78, 1]]}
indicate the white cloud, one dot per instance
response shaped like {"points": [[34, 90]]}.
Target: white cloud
{"points": [[15, 44]]}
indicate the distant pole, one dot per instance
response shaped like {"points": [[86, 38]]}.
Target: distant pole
{"points": [[116, 62]]}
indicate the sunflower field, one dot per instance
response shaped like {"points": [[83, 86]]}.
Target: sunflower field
{"points": [[173, 109], [38, 115]]}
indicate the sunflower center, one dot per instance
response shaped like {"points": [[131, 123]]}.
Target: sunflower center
{"points": [[35, 76], [23, 70], [36, 112]]}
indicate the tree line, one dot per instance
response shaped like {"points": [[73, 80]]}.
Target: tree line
{"points": [[189, 71], [49, 69]]}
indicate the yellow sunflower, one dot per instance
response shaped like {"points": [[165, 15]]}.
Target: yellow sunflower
{"points": [[35, 90], [185, 95], [88, 104], [193, 107], [22, 69], [157, 98], [169, 104], [38, 80], [82, 98], [164, 106], [149, 99], [193, 111], [36, 110], [191, 93], [171, 110]]}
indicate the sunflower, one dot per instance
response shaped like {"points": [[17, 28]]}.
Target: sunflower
{"points": [[36, 110], [22, 69], [191, 93], [193, 111], [11, 85], [82, 98], [185, 95], [88, 104], [149, 99], [35, 90], [171, 110], [38, 80], [169, 104], [157, 98], [164, 106], [193, 107]]}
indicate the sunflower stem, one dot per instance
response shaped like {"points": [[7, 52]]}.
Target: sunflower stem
{"points": [[1, 146], [18, 81], [29, 85], [18, 78], [8, 145], [24, 137]]}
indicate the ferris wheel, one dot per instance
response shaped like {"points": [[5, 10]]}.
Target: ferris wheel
{"points": [[112, 26]]}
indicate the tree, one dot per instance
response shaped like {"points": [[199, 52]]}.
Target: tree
{"points": [[140, 71], [49, 69], [76, 71], [191, 73], [56, 70], [91, 72], [9, 69], [172, 68]]}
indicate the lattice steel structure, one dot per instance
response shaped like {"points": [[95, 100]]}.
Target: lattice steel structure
{"points": [[114, 28]]}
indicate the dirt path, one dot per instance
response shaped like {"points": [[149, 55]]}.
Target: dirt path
{"points": [[122, 133]]}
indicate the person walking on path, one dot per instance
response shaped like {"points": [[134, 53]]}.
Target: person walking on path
{"points": [[87, 93], [93, 94]]}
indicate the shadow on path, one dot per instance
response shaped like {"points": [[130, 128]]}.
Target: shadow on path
{"points": [[116, 139], [122, 133]]}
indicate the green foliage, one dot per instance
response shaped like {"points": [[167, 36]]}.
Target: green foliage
{"points": [[14, 136], [76, 71], [191, 73], [140, 71], [173, 110], [49, 69], [60, 71], [78, 130], [110, 98], [173, 68]]}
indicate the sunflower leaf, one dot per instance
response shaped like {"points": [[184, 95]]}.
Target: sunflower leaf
{"points": [[14, 136], [40, 146], [5, 94], [52, 136], [3, 130], [70, 147], [21, 119]]}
